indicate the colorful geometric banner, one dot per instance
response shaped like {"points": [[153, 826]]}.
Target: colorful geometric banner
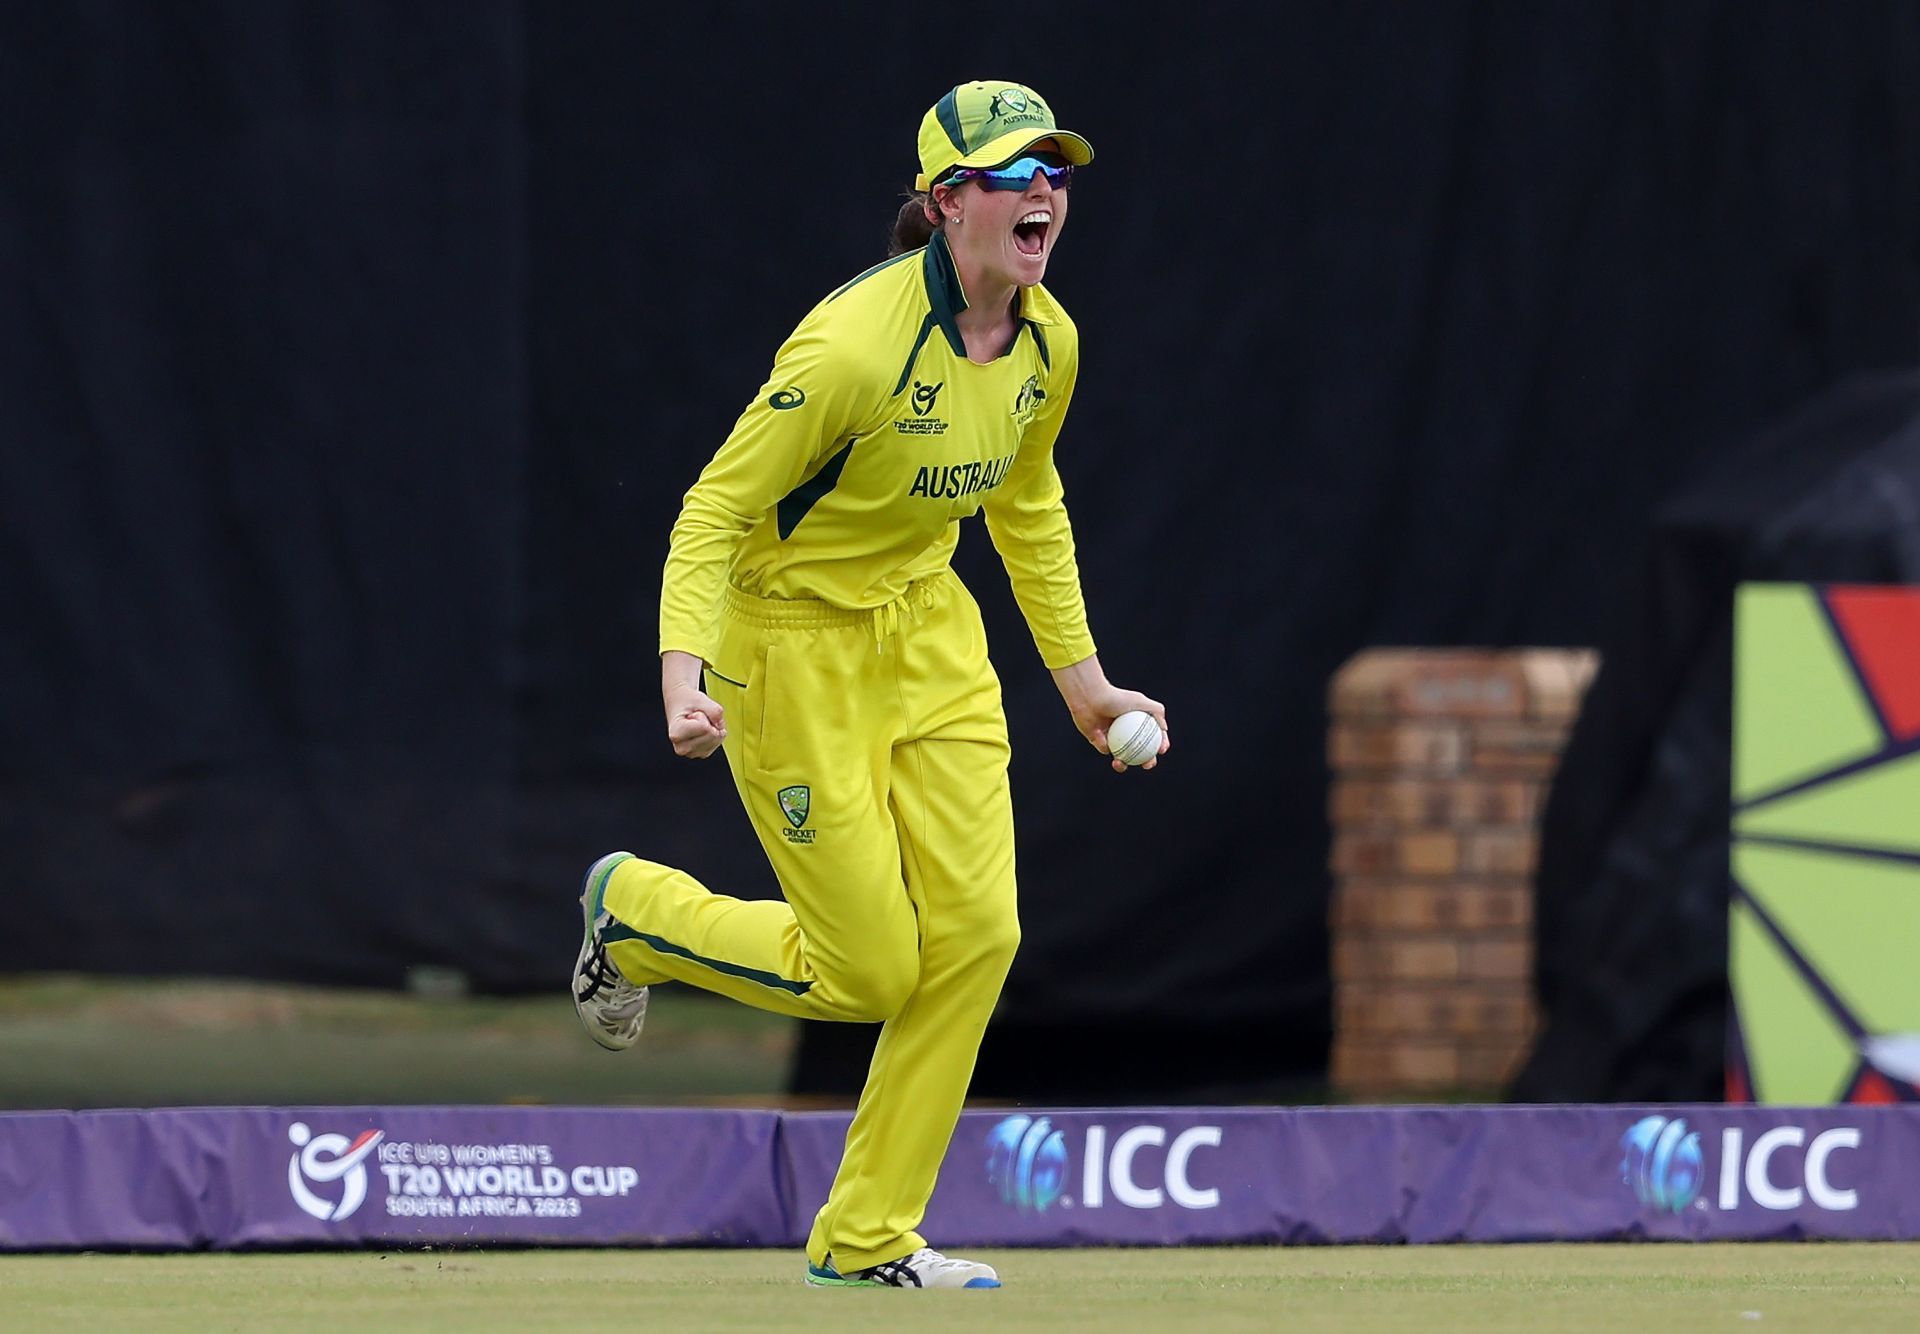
{"points": [[1825, 845], [413, 1176]]}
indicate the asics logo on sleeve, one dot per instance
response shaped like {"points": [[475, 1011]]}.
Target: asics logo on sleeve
{"points": [[791, 397]]}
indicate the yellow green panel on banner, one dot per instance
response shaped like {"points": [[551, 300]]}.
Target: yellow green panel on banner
{"points": [[1856, 920], [1878, 807], [1798, 709], [1796, 1051]]}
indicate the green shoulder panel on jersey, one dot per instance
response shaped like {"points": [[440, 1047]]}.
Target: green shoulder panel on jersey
{"points": [[1040, 344], [906, 371], [794, 505], [859, 278]]}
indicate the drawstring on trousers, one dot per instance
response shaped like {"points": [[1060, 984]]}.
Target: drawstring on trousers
{"points": [[886, 616]]}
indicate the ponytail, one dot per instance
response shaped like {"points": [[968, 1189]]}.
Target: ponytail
{"points": [[913, 227]]}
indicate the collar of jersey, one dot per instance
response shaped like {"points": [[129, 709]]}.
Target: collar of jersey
{"points": [[948, 298]]}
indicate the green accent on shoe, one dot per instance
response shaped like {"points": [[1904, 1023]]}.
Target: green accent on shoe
{"points": [[597, 878], [827, 1278], [617, 930]]}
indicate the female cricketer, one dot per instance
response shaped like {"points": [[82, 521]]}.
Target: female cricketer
{"points": [[810, 624]]}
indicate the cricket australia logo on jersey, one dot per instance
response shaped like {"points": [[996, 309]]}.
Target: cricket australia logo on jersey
{"points": [[923, 422], [796, 803], [1028, 401]]}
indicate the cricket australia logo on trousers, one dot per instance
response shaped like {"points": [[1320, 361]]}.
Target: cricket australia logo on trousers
{"points": [[795, 802]]}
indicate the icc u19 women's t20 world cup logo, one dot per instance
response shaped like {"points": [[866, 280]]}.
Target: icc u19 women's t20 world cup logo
{"points": [[327, 1158]]}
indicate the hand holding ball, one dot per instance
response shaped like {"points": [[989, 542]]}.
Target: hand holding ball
{"points": [[1134, 738]]}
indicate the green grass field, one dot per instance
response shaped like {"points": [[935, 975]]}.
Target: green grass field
{"points": [[1544, 1288], [68, 1041]]}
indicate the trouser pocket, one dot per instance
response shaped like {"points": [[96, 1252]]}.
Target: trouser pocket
{"points": [[767, 726], [810, 701]]}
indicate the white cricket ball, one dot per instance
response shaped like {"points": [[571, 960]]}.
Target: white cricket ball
{"points": [[1134, 738]]}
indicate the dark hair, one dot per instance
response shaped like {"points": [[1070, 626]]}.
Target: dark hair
{"points": [[912, 228]]}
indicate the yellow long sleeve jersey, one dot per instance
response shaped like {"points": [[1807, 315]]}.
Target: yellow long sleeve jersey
{"points": [[846, 478]]}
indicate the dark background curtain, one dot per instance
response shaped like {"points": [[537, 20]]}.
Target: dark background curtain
{"points": [[354, 360], [1632, 892]]}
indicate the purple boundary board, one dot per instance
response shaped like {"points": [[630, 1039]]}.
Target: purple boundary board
{"points": [[399, 1176]]}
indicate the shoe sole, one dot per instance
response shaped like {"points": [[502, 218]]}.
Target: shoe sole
{"points": [[817, 1282], [813, 1282], [826, 1278], [593, 895]]}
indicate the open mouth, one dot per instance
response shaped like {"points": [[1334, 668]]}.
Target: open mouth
{"points": [[1030, 233]]}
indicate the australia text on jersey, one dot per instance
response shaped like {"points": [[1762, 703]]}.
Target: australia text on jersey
{"points": [[950, 482]]}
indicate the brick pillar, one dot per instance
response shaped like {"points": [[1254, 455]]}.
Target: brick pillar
{"points": [[1440, 763]]}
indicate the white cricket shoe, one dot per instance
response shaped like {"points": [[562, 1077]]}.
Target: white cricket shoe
{"points": [[925, 1268], [611, 1008]]}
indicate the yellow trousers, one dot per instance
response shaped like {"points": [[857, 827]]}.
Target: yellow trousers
{"points": [[870, 751]]}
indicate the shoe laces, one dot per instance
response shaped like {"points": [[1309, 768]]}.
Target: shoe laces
{"points": [[895, 1274], [602, 974], [906, 1271], [928, 1258]]}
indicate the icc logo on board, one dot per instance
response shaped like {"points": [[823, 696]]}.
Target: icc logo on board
{"points": [[1027, 1160], [324, 1159], [1667, 1169]]}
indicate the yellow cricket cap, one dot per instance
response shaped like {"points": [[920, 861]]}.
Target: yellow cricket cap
{"points": [[985, 123]]}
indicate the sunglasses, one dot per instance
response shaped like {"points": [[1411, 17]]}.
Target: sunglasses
{"points": [[1015, 175]]}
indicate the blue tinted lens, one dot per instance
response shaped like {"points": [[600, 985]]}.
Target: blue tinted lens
{"points": [[1017, 175]]}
